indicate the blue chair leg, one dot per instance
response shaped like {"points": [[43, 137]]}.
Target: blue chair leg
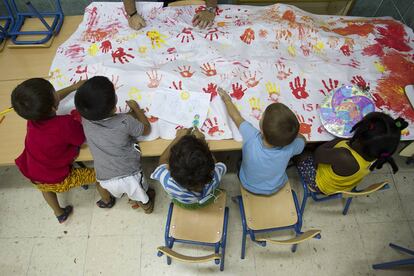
{"points": [[224, 239], [347, 204], [402, 249], [394, 264], [244, 227], [294, 248]]}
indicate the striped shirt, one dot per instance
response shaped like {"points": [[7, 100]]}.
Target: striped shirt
{"points": [[183, 195]]}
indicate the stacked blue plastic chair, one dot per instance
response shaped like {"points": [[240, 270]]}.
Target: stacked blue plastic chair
{"points": [[8, 22], [51, 29]]}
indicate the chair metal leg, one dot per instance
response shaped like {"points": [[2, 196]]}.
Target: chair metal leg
{"points": [[394, 264], [402, 249], [224, 239], [244, 227], [347, 204]]}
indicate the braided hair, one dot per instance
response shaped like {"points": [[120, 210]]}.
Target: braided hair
{"points": [[379, 136]]}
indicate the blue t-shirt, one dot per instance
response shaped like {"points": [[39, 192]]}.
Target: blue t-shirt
{"points": [[181, 194], [263, 170]]}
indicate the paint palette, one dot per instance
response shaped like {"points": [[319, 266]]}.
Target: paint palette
{"points": [[343, 108]]}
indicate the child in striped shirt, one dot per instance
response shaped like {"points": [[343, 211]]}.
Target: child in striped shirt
{"points": [[188, 172]]}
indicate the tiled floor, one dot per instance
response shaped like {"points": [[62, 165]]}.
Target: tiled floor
{"points": [[123, 241]]}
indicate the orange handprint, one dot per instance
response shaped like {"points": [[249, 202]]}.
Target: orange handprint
{"points": [[154, 79], [185, 71], [250, 79], [304, 127], [209, 70], [248, 36]]}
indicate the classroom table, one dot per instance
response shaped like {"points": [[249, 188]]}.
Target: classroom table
{"points": [[17, 65]]}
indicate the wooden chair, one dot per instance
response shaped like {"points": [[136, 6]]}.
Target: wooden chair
{"points": [[280, 211], [348, 195], [205, 226]]}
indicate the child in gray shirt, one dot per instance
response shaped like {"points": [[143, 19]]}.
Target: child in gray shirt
{"points": [[111, 138]]}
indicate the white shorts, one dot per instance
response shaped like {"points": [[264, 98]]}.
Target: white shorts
{"points": [[134, 186]]}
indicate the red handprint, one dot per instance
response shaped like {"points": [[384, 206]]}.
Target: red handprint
{"points": [[242, 22], [151, 118], [186, 35], [345, 50], [360, 82], [185, 71], [332, 85], [75, 52], [250, 79], [321, 129], [248, 36], [121, 56], [211, 127], [209, 70], [203, 8], [154, 79], [305, 128], [212, 33], [282, 73], [177, 86], [379, 101], [299, 90], [172, 54], [212, 90], [238, 91], [81, 73], [305, 50], [106, 46]]}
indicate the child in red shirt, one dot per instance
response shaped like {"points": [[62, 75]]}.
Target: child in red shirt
{"points": [[52, 144]]}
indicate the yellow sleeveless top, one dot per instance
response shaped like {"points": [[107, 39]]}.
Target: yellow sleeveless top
{"points": [[329, 182]]}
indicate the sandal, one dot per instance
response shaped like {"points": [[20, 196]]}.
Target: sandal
{"points": [[149, 206], [110, 204], [66, 212]]}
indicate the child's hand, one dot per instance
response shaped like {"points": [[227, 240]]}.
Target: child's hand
{"points": [[223, 94], [132, 104], [182, 132], [197, 133]]}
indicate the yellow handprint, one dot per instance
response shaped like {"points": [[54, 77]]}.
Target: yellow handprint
{"points": [[292, 50], [135, 94], [156, 38], [318, 47], [93, 50], [255, 105], [380, 68], [273, 90]]}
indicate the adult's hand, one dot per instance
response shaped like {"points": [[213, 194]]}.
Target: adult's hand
{"points": [[204, 19], [136, 22]]}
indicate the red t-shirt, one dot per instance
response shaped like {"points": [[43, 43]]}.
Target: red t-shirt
{"points": [[50, 148]]}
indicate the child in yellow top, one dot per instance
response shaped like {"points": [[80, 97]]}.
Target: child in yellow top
{"points": [[340, 165]]}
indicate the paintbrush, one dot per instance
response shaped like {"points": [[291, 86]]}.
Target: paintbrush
{"points": [[6, 111]]}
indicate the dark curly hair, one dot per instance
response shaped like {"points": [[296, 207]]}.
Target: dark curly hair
{"points": [[96, 98], [191, 163], [34, 99], [379, 136]]}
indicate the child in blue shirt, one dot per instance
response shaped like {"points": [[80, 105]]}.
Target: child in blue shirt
{"points": [[187, 170], [266, 153]]}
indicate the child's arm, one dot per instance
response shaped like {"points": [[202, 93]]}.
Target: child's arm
{"points": [[165, 156], [341, 159], [231, 108], [140, 116], [62, 93]]}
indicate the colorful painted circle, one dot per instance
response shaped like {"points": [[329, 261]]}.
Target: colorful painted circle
{"points": [[343, 108]]}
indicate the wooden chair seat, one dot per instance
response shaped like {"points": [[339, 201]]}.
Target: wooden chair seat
{"points": [[201, 225], [188, 259], [266, 212]]}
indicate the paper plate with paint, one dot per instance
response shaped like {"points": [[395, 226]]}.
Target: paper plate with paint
{"points": [[343, 108]]}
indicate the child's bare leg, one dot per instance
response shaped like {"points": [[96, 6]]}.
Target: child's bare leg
{"points": [[52, 201], [105, 195]]}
